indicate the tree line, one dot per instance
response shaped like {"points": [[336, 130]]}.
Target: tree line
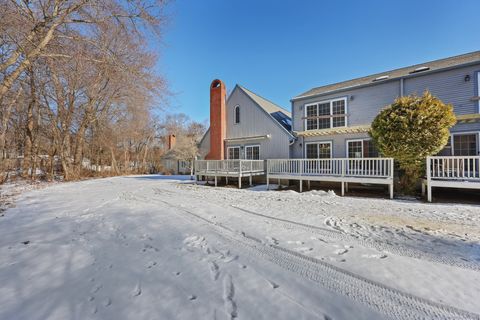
{"points": [[77, 87]]}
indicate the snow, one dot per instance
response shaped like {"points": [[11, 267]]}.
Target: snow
{"points": [[160, 247]]}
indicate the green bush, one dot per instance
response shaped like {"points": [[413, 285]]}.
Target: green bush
{"points": [[411, 129]]}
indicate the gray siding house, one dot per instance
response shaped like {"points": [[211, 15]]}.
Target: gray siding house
{"points": [[256, 128], [332, 121]]}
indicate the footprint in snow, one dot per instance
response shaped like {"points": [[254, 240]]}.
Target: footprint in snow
{"points": [[272, 284], [213, 270], [295, 242], [96, 288], [340, 251], [303, 249], [137, 290], [107, 302], [374, 256], [271, 240], [228, 294], [151, 264]]}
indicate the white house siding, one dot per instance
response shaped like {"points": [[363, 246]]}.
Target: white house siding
{"points": [[255, 122]]}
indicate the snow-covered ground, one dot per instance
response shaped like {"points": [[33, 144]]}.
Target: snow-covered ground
{"points": [[157, 247]]}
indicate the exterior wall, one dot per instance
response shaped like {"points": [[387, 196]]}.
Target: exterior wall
{"points": [[204, 147], [361, 110], [450, 87], [254, 121], [339, 144]]}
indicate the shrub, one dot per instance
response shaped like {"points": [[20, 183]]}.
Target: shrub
{"points": [[411, 129]]}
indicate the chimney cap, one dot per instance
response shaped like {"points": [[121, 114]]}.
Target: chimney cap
{"points": [[217, 83]]}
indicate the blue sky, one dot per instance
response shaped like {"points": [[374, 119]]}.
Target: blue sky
{"points": [[279, 49]]}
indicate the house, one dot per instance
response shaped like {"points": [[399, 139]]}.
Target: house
{"points": [[327, 137], [332, 121], [245, 126]]}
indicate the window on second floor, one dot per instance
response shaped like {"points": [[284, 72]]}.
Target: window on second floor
{"points": [[236, 115], [326, 114]]}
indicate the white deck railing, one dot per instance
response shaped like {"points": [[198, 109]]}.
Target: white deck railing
{"points": [[339, 167], [452, 172], [229, 166], [453, 168]]}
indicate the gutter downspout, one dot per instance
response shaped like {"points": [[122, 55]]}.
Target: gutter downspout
{"points": [[402, 90]]}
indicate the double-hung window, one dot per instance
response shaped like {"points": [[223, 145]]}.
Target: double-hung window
{"points": [[361, 149], [320, 150], [326, 114], [252, 152], [233, 153]]}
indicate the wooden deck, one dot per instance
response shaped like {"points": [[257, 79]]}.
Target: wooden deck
{"points": [[342, 170], [452, 172], [229, 168]]}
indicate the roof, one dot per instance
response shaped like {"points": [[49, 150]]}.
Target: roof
{"points": [[280, 115], [418, 69]]}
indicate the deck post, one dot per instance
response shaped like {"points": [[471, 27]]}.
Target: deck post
{"points": [[346, 186], [390, 188], [239, 174], [308, 184], [300, 170], [343, 188], [215, 180], [226, 180], [279, 182], [250, 180], [429, 177], [268, 182]]}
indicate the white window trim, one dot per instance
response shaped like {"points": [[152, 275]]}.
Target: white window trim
{"points": [[353, 140], [478, 90], [452, 144], [253, 146], [235, 114], [318, 150], [234, 147], [330, 101]]}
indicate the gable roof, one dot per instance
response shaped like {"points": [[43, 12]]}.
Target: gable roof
{"points": [[417, 69], [280, 115]]}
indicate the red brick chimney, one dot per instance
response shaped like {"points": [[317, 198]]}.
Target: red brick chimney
{"points": [[171, 141], [218, 120]]}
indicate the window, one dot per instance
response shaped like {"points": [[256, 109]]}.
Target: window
{"points": [[321, 150], [327, 114], [233, 153], [465, 144], [236, 115], [252, 152], [361, 149]]}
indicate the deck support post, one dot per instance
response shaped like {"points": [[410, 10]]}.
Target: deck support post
{"points": [[308, 184], [215, 181], [390, 188], [226, 180], [195, 180], [279, 182], [346, 186], [301, 185], [343, 188], [239, 182], [250, 180], [429, 193]]}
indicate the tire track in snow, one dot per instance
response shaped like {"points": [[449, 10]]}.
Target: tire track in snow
{"points": [[401, 250], [397, 249], [393, 303]]}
